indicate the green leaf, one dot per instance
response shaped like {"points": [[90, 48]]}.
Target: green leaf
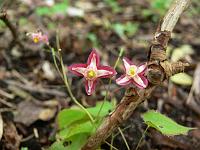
{"points": [[119, 29], [93, 38], [160, 5], [43, 11], [60, 8], [77, 141], [164, 124], [68, 116], [131, 28], [182, 79], [86, 127], [181, 52], [104, 111], [24, 148], [57, 8], [114, 5], [58, 145]]}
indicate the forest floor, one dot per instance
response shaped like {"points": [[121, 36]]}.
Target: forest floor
{"points": [[32, 92]]}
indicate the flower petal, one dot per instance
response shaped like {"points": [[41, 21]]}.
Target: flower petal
{"points": [[123, 80], [105, 72], [93, 59], [127, 64], [78, 69], [142, 68], [90, 86], [140, 81]]}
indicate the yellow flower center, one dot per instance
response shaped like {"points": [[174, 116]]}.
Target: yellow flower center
{"points": [[35, 39], [91, 74], [132, 71]]}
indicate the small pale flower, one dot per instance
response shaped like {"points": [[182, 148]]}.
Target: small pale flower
{"points": [[133, 74], [38, 37], [92, 71]]}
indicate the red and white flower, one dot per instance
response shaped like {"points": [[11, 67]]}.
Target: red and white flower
{"points": [[92, 71], [133, 74]]}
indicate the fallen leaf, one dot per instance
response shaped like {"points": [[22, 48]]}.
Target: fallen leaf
{"points": [[47, 114], [11, 137], [30, 111], [48, 71], [182, 79], [181, 52], [75, 12]]}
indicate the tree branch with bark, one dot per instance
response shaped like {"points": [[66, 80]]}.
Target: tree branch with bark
{"points": [[159, 69]]}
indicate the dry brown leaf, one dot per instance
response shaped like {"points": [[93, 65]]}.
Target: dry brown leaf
{"points": [[30, 111], [47, 114], [11, 137]]}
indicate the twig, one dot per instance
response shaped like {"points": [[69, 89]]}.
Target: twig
{"points": [[12, 28], [36, 88], [173, 14], [8, 103], [158, 70], [143, 134], [123, 137], [5, 94]]}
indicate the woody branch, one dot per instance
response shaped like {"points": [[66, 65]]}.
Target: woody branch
{"points": [[159, 69]]}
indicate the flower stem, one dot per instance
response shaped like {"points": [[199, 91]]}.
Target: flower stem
{"points": [[111, 145], [123, 137], [70, 92], [143, 134], [112, 139], [63, 75], [105, 98]]}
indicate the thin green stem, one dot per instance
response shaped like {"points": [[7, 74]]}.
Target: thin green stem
{"points": [[105, 98], [122, 131], [112, 139], [123, 137], [111, 145], [55, 61], [64, 77], [143, 134], [70, 92]]}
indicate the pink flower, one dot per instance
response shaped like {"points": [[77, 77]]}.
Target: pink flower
{"points": [[92, 71], [133, 74], [39, 37]]}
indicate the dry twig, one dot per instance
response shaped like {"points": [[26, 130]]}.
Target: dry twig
{"points": [[12, 28]]}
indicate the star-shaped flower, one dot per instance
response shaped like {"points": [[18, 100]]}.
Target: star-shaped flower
{"points": [[92, 71], [133, 74], [38, 37]]}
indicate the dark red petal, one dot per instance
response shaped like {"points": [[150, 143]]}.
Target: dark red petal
{"points": [[109, 72], [142, 68], [76, 72], [145, 81], [92, 85], [127, 63], [125, 82], [93, 54]]}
